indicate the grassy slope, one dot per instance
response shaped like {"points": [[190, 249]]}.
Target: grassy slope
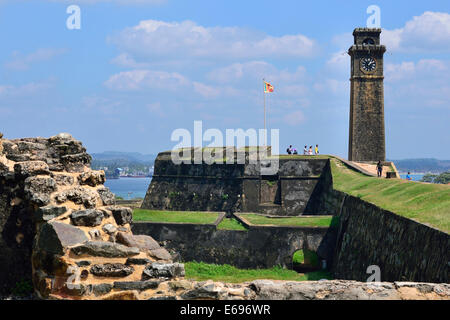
{"points": [[230, 224], [175, 216], [424, 202], [319, 221], [202, 271]]}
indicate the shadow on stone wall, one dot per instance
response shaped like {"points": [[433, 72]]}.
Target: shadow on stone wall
{"points": [[257, 247], [404, 250]]}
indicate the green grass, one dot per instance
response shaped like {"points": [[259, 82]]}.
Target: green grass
{"points": [[230, 224], [175, 216], [305, 257], [424, 202], [302, 156], [23, 288], [271, 183], [319, 221], [201, 271]]}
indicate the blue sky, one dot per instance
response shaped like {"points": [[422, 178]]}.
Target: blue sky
{"points": [[138, 69]]}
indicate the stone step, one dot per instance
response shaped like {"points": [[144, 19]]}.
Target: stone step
{"points": [[105, 249], [111, 270], [136, 285], [269, 204]]}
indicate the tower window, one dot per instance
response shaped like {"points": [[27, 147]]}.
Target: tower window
{"points": [[368, 41]]}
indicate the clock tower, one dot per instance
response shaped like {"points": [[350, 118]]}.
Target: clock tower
{"points": [[366, 131]]}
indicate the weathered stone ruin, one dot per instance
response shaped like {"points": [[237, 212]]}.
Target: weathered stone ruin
{"points": [[364, 235], [57, 214], [294, 189], [60, 228]]}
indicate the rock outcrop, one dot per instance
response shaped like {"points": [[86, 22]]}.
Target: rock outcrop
{"points": [[76, 243]]}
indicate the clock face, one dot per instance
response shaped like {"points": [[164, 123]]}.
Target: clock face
{"points": [[368, 64]]}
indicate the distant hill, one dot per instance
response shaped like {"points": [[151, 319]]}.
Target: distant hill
{"points": [[139, 161], [129, 156], [127, 163], [422, 165]]}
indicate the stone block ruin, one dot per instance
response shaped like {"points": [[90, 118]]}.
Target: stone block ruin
{"points": [[60, 227]]}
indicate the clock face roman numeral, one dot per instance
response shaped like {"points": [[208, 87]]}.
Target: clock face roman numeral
{"points": [[368, 64]]}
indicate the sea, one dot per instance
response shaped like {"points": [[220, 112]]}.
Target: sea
{"points": [[128, 188], [414, 176]]}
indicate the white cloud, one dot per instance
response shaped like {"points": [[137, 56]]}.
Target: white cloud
{"points": [[408, 70], [332, 86], [155, 108], [294, 118], [124, 60], [255, 71], [237, 71], [205, 90], [399, 71], [343, 40], [165, 40], [294, 90], [23, 62], [23, 90], [146, 79], [103, 105], [93, 2], [418, 84], [339, 62], [429, 32], [291, 87], [391, 39], [139, 2]]}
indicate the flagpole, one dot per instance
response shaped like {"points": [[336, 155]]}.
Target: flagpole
{"points": [[264, 93], [267, 111]]}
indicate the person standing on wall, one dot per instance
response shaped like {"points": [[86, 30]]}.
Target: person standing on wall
{"points": [[379, 169], [289, 150], [305, 150], [310, 151], [316, 150]]}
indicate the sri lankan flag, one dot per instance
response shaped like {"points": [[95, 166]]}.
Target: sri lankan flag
{"points": [[267, 87]]}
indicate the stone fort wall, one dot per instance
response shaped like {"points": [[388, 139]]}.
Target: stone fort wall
{"points": [[257, 247], [295, 189], [405, 250]]}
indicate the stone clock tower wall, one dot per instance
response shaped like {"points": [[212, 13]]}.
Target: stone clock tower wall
{"points": [[366, 132]]}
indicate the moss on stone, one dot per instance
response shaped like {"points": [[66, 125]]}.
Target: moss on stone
{"points": [[230, 224], [319, 221], [203, 271], [175, 216]]}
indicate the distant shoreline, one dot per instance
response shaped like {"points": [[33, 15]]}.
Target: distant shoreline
{"points": [[132, 177], [423, 173], [135, 177]]}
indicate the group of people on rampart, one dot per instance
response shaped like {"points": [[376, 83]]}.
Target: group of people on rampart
{"points": [[306, 151]]}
